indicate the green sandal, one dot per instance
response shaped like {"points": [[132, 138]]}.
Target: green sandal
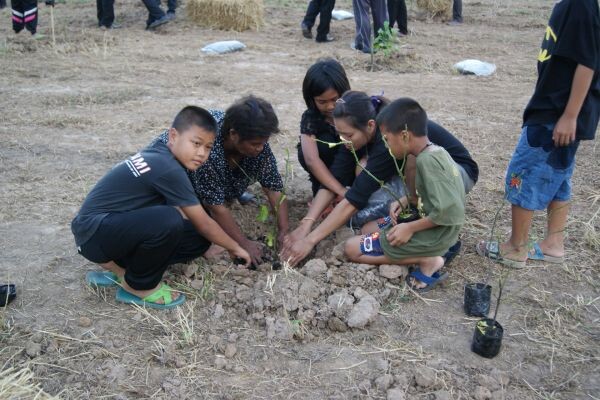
{"points": [[164, 293]]}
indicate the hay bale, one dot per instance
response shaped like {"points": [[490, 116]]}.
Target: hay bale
{"points": [[436, 8], [237, 15]]}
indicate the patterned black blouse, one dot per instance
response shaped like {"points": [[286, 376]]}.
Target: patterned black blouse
{"points": [[216, 183]]}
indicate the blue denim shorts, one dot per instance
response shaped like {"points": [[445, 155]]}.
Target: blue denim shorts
{"points": [[539, 172]]}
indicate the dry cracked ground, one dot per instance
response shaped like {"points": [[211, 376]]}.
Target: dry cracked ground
{"points": [[330, 329]]}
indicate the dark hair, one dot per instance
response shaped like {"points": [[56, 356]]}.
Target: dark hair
{"points": [[325, 74], [404, 113], [193, 115], [358, 108], [250, 117]]}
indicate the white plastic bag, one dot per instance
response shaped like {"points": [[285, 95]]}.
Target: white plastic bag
{"points": [[227, 46], [475, 67], [340, 15]]}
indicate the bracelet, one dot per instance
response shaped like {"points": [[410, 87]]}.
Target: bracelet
{"points": [[309, 219]]}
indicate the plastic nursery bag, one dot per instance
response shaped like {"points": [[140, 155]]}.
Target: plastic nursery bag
{"points": [[475, 67], [379, 203], [340, 15], [227, 46]]}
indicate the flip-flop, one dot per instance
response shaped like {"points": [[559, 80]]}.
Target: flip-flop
{"points": [[536, 253], [452, 252], [150, 301], [102, 279], [491, 250], [431, 281]]}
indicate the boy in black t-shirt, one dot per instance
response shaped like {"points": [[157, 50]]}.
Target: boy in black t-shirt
{"points": [[143, 215], [563, 110]]}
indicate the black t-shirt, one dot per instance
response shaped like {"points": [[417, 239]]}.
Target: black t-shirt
{"points": [[313, 123], [572, 37], [381, 164], [149, 178]]}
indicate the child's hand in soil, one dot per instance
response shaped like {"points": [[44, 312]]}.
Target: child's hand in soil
{"points": [[296, 252], [240, 255], [256, 251], [399, 234]]}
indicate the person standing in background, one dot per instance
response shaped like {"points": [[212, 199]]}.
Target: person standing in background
{"points": [[361, 8], [457, 18], [398, 14], [323, 7]]}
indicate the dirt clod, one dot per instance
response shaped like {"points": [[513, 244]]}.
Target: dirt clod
{"points": [[482, 393], [384, 382], [442, 395], [33, 349], [230, 350], [395, 394], [393, 271], [425, 377], [363, 312], [84, 322]]}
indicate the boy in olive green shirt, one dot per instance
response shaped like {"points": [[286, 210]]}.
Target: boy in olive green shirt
{"points": [[403, 125]]}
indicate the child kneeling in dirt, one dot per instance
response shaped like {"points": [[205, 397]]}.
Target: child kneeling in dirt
{"points": [[143, 215], [403, 124]]}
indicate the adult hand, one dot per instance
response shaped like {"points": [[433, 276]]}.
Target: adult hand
{"points": [[255, 249], [239, 253], [399, 234], [395, 209], [564, 131], [296, 253]]}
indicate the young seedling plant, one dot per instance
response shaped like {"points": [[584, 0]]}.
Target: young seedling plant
{"points": [[386, 42], [264, 214]]}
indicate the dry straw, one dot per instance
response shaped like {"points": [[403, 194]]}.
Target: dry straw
{"points": [[436, 8], [237, 15], [17, 384]]}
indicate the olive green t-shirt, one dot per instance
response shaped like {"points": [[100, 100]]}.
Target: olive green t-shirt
{"points": [[440, 187]]}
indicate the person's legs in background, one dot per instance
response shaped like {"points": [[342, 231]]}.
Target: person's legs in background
{"points": [[325, 21], [362, 40], [380, 15], [457, 18], [310, 17]]}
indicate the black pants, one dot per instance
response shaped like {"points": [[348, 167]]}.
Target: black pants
{"points": [[398, 14], [457, 11], [155, 11], [323, 7], [171, 5], [145, 242], [24, 15], [2, 4], [106, 12]]}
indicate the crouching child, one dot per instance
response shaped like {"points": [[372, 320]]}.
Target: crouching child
{"points": [[403, 124], [143, 215]]}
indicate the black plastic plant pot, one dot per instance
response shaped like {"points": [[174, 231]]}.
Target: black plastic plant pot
{"points": [[412, 214], [487, 338], [7, 294], [477, 299]]}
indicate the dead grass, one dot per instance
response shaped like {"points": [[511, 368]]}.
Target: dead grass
{"points": [[237, 15], [18, 384], [436, 8]]}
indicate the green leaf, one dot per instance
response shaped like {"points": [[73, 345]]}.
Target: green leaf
{"points": [[263, 213], [270, 239]]}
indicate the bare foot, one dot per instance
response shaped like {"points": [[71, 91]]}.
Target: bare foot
{"points": [[511, 252], [213, 251], [428, 266], [550, 249], [115, 269]]}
